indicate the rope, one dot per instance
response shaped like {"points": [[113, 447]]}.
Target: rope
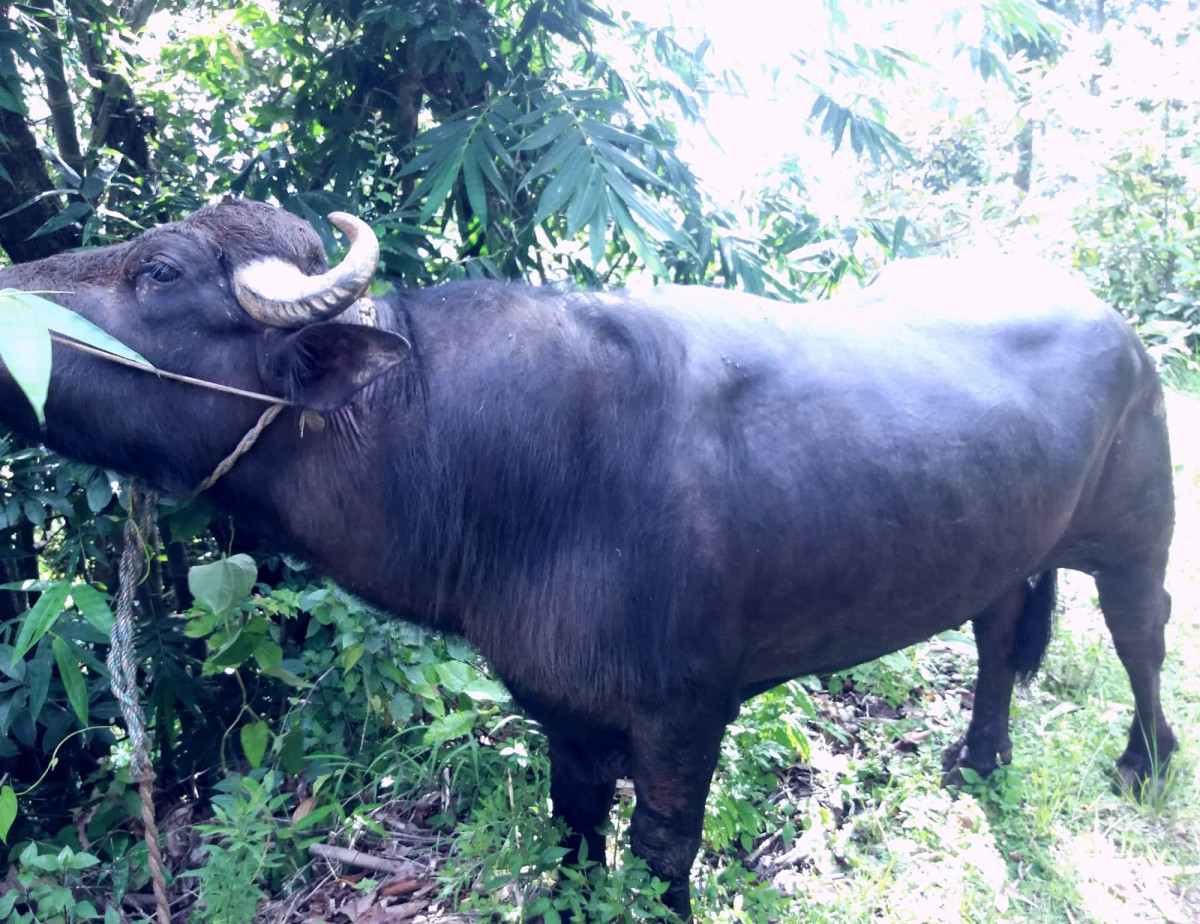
{"points": [[140, 540], [243, 447], [163, 374]]}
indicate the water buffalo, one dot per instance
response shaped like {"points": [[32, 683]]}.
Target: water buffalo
{"points": [[645, 509]]}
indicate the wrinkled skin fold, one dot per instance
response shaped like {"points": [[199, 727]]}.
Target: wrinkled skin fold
{"points": [[644, 510]]}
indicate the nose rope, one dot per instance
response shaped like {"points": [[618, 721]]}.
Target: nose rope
{"points": [[163, 374]]}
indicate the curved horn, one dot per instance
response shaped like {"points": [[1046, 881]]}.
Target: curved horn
{"points": [[276, 293]]}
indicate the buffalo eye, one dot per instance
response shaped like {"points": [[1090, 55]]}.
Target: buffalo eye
{"points": [[162, 272]]}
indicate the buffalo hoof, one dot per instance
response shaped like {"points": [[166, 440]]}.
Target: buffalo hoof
{"points": [[959, 755], [1136, 778]]}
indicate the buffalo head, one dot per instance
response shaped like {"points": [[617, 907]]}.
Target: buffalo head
{"points": [[239, 293]]}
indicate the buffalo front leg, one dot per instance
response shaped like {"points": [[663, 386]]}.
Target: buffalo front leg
{"points": [[1136, 608], [582, 783], [987, 735], [673, 763]]}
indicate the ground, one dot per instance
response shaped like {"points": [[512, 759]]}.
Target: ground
{"points": [[828, 804]]}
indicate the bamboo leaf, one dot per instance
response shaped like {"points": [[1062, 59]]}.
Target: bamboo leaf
{"points": [[72, 678], [544, 135], [41, 618], [473, 180], [64, 321], [25, 351], [561, 188]]}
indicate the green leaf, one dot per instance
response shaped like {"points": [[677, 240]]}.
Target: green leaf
{"points": [[291, 751], [39, 620], [455, 675], [94, 607], [489, 691], [72, 678], [25, 350], [473, 180], [64, 321], [563, 186], [254, 742], [243, 644], [99, 492], [546, 133], [268, 654], [8, 813], [37, 679], [451, 726], [82, 860], [283, 674], [598, 233], [583, 203], [224, 583]]}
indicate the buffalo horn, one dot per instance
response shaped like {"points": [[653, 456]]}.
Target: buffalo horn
{"points": [[278, 294]]}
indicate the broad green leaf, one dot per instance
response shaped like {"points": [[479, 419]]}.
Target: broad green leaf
{"points": [[254, 742], [451, 726], [94, 607], [268, 654], [99, 492], [291, 751], [284, 675], [8, 813], [72, 677], [489, 691], [455, 675], [243, 644], [38, 621], [224, 583], [436, 187], [566, 146], [25, 350]]}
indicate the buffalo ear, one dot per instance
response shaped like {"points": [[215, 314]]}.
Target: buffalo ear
{"points": [[323, 366]]}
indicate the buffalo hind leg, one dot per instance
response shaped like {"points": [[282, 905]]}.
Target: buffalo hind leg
{"points": [[673, 763], [1011, 637], [1136, 608]]}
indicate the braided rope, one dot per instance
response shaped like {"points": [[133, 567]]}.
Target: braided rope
{"points": [[140, 540], [243, 447]]}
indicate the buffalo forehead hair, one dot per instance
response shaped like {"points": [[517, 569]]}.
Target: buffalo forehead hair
{"points": [[247, 230]]}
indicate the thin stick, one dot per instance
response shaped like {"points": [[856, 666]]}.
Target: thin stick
{"points": [[357, 858]]}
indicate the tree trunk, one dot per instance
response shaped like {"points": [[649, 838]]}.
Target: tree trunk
{"points": [[23, 179], [58, 94]]}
